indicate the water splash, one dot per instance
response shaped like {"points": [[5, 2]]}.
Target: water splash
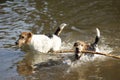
{"points": [[84, 59]]}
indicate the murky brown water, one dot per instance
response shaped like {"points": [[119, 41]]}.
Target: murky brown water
{"points": [[44, 16]]}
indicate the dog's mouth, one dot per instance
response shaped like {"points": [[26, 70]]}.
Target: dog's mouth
{"points": [[21, 45], [17, 44]]}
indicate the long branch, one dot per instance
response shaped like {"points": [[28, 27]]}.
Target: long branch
{"points": [[91, 52]]}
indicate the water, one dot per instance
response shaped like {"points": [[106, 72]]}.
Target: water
{"points": [[44, 16]]}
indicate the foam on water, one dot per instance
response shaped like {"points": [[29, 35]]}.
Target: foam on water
{"points": [[49, 60], [84, 59]]}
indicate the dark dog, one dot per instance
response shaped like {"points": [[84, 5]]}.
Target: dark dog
{"points": [[82, 46]]}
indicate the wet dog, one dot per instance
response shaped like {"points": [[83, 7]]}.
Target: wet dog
{"points": [[82, 46], [42, 43]]}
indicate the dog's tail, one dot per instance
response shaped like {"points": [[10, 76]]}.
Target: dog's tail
{"points": [[59, 29], [97, 37]]}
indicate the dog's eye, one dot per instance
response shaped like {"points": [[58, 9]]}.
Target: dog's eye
{"points": [[22, 37], [81, 44]]}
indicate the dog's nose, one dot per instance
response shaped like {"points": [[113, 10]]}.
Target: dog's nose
{"points": [[75, 44], [16, 43]]}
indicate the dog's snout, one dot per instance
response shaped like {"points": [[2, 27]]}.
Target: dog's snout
{"points": [[16, 43]]}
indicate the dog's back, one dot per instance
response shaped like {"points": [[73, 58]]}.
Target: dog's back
{"points": [[45, 43], [40, 43]]}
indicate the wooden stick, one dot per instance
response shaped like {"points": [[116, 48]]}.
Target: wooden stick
{"points": [[91, 52], [105, 54]]}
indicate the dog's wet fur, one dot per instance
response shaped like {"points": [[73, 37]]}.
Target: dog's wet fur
{"points": [[82, 46], [41, 42]]}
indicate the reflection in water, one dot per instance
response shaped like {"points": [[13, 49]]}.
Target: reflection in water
{"points": [[60, 66], [24, 68], [33, 61]]}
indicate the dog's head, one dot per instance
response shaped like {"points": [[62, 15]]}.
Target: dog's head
{"points": [[24, 38], [80, 45]]}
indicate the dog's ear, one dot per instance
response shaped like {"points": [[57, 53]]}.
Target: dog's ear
{"points": [[29, 34]]}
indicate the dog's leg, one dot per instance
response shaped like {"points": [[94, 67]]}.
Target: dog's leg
{"points": [[78, 54], [59, 29]]}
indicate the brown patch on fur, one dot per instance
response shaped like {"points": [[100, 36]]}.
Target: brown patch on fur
{"points": [[81, 45], [24, 38]]}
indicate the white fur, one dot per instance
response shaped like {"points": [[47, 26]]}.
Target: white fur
{"points": [[98, 32], [43, 43], [62, 25]]}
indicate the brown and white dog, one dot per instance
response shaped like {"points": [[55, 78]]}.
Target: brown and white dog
{"points": [[42, 43], [82, 46]]}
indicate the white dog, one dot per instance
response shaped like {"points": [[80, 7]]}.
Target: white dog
{"points": [[42, 43]]}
